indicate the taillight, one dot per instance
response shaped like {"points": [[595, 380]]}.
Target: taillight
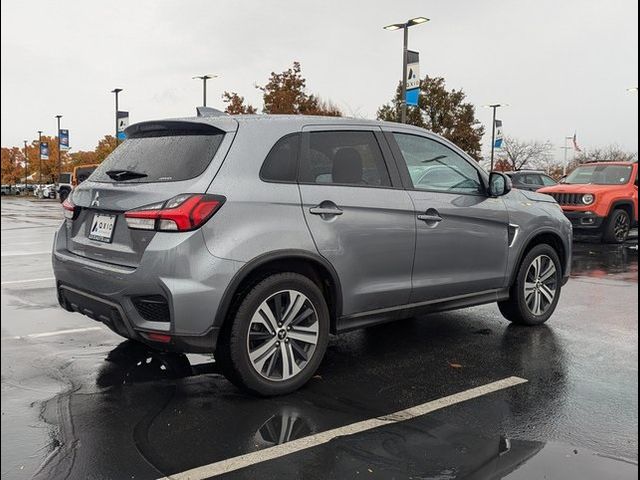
{"points": [[69, 209], [179, 214]]}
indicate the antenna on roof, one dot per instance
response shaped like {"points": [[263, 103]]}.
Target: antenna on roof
{"points": [[209, 112]]}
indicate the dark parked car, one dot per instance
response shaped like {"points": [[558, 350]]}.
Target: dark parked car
{"points": [[530, 180]]}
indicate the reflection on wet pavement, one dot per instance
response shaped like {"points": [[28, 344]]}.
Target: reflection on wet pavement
{"points": [[602, 261]]}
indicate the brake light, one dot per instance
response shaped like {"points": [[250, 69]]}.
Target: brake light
{"points": [[69, 208], [179, 214]]}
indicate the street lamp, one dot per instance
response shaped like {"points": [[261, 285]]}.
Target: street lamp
{"points": [[494, 107], [632, 90], [40, 157], [116, 91], [26, 162], [58, 117], [204, 79], [405, 27]]}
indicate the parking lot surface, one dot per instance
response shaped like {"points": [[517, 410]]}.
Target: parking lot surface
{"points": [[454, 395]]}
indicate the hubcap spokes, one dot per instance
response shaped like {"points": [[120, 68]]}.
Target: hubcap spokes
{"points": [[540, 285], [283, 334], [621, 228]]}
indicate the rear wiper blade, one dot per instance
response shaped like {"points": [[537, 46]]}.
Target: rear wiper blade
{"points": [[125, 174]]}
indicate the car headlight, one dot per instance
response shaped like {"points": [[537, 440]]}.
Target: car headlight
{"points": [[588, 198]]}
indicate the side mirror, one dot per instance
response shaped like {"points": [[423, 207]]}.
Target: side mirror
{"points": [[499, 184]]}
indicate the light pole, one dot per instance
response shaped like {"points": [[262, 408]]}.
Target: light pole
{"points": [[405, 46], [116, 91], [26, 163], [58, 117], [494, 107], [632, 90], [204, 79], [39, 157], [566, 149]]}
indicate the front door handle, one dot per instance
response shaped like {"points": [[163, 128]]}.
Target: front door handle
{"points": [[325, 210]]}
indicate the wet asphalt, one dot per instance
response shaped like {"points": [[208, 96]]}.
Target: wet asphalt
{"points": [[85, 404]]}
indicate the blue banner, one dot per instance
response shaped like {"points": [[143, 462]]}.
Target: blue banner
{"points": [[63, 138], [123, 123], [44, 150], [499, 135]]}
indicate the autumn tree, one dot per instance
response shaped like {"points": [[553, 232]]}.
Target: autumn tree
{"points": [[517, 154], [284, 93], [236, 105], [12, 170], [441, 111]]}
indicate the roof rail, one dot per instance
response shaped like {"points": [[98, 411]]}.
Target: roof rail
{"points": [[209, 112]]}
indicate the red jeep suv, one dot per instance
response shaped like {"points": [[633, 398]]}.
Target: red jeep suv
{"points": [[600, 197]]}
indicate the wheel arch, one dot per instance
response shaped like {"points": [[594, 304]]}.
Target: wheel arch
{"points": [[626, 205], [548, 237], [313, 266]]}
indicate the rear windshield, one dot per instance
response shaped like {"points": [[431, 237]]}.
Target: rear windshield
{"points": [[162, 156], [600, 175]]}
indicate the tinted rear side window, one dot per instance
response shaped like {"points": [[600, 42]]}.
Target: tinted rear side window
{"points": [[344, 158], [163, 156], [281, 164]]}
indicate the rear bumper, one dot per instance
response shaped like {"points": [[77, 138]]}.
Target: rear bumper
{"points": [[179, 270], [585, 220]]}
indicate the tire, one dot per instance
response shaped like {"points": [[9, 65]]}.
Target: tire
{"points": [[257, 350], [617, 227], [534, 307]]}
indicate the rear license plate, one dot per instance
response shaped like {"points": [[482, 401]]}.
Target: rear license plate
{"points": [[102, 228]]}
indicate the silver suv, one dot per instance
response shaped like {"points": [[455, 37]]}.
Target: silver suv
{"points": [[255, 237]]}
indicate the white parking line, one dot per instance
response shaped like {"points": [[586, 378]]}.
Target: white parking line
{"points": [[24, 254], [52, 334], [235, 463], [31, 280]]}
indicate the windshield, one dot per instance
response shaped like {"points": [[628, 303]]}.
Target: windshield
{"points": [[600, 175], [164, 157]]}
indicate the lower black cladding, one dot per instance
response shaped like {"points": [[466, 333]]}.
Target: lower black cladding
{"points": [[97, 309]]}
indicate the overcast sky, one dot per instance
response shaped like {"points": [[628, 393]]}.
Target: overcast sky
{"points": [[563, 65]]}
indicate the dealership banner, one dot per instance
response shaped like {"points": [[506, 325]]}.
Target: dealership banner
{"points": [[123, 123], [413, 78], [63, 136], [44, 150], [499, 135]]}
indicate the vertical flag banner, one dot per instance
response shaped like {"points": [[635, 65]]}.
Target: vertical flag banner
{"points": [[499, 135], [63, 137], [576, 147], [413, 78], [44, 150], [123, 123]]}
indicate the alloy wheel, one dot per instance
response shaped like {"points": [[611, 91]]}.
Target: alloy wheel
{"points": [[621, 227], [283, 334], [540, 285]]}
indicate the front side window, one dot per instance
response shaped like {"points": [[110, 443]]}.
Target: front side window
{"points": [[600, 175], [434, 166], [344, 158], [532, 179]]}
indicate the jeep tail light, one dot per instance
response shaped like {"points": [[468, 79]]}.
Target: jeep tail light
{"points": [[69, 208], [179, 214]]}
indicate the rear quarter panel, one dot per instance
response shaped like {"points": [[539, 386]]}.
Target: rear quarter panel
{"points": [[258, 216]]}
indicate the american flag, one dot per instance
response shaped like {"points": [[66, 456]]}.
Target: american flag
{"points": [[575, 143]]}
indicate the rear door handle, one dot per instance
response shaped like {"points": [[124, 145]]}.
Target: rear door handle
{"points": [[325, 211], [430, 218]]}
